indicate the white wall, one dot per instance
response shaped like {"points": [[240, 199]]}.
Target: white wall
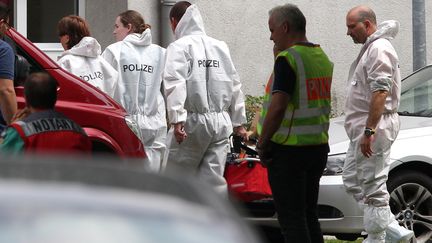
{"points": [[101, 15], [150, 11], [243, 25]]}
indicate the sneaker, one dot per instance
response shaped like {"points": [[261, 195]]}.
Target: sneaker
{"points": [[398, 234]]}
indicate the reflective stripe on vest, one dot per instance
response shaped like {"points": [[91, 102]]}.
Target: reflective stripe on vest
{"points": [[307, 124]]}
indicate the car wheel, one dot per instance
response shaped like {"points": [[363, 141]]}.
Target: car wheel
{"points": [[411, 203]]}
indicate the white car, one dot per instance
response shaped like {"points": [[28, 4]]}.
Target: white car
{"points": [[410, 177]]}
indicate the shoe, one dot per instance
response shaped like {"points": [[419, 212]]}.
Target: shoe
{"points": [[398, 234]]}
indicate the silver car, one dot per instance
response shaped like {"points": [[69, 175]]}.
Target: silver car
{"points": [[69, 199], [410, 177]]}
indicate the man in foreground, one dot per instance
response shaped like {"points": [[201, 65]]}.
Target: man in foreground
{"points": [[39, 128]]}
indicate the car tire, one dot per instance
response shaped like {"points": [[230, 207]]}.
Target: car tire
{"points": [[411, 202]]}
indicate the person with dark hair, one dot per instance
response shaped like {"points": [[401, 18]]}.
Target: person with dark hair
{"points": [[140, 65], [293, 130], [39, 128], [8, 104], [82, 55], [372, 122], [204, 98]]}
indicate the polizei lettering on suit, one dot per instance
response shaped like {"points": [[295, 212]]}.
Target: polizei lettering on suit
{"points": [[208, 63], [138, 68], [92, 76]]}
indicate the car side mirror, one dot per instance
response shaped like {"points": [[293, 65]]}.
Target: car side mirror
{"points": [[22, 70]]}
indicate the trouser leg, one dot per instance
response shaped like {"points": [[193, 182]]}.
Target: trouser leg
{"points": [[159, 147], [314, 174], [377, 214], [148, 139], [378, 218], [212, 166], [294, 179], [351, 173], [155, 148], [188, 154], [375, 171], [289, 195], [168, 140], [375, 221]]}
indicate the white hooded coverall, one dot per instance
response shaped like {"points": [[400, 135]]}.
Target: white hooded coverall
{"points": [[140, 66], [376, 68], [202, 89], [84, 61]]}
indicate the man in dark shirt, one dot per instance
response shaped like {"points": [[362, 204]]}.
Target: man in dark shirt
{"points": [[294, 133], [285, 72]]}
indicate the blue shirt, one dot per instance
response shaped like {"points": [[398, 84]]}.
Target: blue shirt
{"points": [[7, 65], [7, 61]]}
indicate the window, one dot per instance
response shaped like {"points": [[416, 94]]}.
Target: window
{"points": [[416, 98], [42, 18], [37, 20], [416, 101]]}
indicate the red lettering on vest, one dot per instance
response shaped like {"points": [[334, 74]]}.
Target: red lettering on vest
{"points": [[318, 88]]}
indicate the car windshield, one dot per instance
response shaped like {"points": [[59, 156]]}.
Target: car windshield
{"points": [[416, 98]]}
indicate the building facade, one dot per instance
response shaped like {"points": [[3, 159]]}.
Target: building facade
{"points": [[242, 24]]}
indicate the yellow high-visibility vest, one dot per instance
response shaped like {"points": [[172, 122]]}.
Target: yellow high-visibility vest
{"points": [[306, 119]]}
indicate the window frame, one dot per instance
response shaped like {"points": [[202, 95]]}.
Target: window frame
{"points": [[20, 17]]}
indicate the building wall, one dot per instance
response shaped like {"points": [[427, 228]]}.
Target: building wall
{"points": [[243, 25], [150, 10], [101, 14]]}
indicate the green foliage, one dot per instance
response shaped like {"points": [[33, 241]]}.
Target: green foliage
{"points": [[253, 105]]}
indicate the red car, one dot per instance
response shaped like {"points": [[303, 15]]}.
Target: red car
{"points": [[104, 120]]}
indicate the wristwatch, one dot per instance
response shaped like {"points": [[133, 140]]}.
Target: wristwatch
{"points": [[369, 132]]}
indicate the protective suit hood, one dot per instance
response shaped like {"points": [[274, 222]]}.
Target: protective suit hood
{"points": [[87, 47], [387, 30], [143, 39], [190, 24]]}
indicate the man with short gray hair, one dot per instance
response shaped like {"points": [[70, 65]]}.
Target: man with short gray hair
{"points": [[294, 125]]}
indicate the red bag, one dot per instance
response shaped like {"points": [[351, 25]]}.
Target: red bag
{"points": [[247, 180]]}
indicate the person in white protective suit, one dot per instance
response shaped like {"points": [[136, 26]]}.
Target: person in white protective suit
{"points": [[372, 122], [82, 55], [204, 99], [140, 66]]}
